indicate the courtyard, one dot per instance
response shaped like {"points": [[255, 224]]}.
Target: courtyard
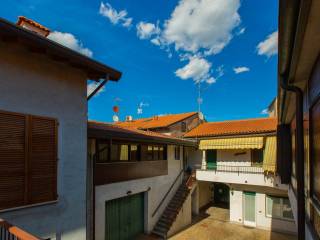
{"points": [[213, 224]]}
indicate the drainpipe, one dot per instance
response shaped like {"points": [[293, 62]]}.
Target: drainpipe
{"points": [[299, 154]]}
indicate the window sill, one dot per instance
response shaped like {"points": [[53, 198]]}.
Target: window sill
{"points": [[28, 206]]}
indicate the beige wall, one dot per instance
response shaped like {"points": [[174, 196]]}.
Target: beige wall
{"points": [[205, 193], [230, 157], [32, 84]]}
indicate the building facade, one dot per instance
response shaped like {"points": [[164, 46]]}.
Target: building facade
{"points": [[43, 133], [298, 104], [237, 171]]}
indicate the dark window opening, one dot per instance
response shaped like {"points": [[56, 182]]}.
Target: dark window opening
{"points": [[177, 152], [257, 157]]}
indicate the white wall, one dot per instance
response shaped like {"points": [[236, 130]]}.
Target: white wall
{"points": [[262, 221], [158, 188], [228, 157], [32, 84], [236, 206]]}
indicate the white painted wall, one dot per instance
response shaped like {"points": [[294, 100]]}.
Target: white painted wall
{"points": [[236, 206], [158, 188], [32, 84], [229, 157], [262, 221]]}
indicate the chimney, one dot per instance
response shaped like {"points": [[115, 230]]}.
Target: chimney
{"points": [[32, 26], [129, 118], [156, 117]]}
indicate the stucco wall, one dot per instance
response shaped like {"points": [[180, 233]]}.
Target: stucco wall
{"points": [[230, 157], [262, 221], [205, 193], [158, 187], [32, 84]]}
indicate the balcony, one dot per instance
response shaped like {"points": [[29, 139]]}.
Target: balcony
{"points": [[259, 175], [10, 232]]}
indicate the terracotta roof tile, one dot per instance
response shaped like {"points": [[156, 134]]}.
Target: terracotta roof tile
{"points": [[33, 23], [247, 126], [156, 121]]}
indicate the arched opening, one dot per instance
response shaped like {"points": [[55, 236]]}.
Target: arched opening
{"points": [[221, 195]]}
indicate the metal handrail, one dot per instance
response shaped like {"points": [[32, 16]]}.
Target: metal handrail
{"points": [[10, 232], [242, 169], [167, 193]]}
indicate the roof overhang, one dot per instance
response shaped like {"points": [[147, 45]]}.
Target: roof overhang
{"points": [[299, 47], [127, 135], [9, 32]]}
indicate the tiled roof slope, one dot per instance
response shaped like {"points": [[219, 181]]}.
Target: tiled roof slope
{"points": [[247, 126], [132, 132], [156, 121]]}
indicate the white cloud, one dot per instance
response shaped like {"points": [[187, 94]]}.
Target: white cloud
{"points": [[92, 86], [146, 30], [211, 80], [269, 46], [114, 16], [265, 111], [241, 31], [156, 41], [238, 70], [202, 25], [70, 41], [197, 69]]}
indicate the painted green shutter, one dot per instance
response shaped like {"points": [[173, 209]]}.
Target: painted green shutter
{"points": [[211, 159]]}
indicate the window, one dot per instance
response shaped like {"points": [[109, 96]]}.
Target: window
{"points": [[134, 153], [150, 153], [183, 127], [119, 152], [177, 152], [28, 160], [102, 152], [153, 152], [315, 152], [278, 207], [257, 156]]}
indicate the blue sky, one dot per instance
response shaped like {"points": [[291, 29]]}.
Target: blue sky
{"points": [[165, 48]]}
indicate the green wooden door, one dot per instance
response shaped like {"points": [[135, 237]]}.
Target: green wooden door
{"points": [[249, 208], [124, 218], [211, 159]]}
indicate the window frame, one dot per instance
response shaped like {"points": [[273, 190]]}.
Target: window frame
{"points": [[281, 207]]}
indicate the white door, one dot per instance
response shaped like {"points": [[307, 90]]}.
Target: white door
{"points": [[249, 209]]}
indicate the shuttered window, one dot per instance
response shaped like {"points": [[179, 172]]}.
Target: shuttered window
{"points": [[28, 160]]}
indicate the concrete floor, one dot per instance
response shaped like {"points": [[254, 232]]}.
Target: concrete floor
{"points": [[213, 224]]}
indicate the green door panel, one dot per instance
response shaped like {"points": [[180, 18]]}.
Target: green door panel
{"points": [[211, 159], [124, 217], [250, 206]]}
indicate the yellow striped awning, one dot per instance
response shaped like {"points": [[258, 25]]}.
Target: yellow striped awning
{"points": [[232, 143], [270, 154]]}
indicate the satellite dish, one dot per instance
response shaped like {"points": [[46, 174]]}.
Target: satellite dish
{"points": [[115, 118]]}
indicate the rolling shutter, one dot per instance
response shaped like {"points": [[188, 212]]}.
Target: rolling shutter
{"points": [[12, 160], [28, 160]]}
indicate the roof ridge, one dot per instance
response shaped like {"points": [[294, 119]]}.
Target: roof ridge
{"points": [[242, 120]]}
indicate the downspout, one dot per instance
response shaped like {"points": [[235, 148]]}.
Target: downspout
{"points": [[299, 154]]}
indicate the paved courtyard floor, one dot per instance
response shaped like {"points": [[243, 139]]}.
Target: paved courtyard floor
{"points": [[213, 224]]}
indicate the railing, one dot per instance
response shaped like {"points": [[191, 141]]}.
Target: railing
{"points": [[167, 193], [10, 232], [191, 180], [255, 169]]}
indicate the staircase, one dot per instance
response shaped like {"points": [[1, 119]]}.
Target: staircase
{"points": [[169, 215]]}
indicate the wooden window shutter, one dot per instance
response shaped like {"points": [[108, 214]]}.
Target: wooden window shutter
{"points": [[13, 151], [28, 159], [42, 170]]}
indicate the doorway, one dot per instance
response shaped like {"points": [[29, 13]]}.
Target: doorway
{"points": [[221, 195], [249, 209], [124, 217], [211, 156]]}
